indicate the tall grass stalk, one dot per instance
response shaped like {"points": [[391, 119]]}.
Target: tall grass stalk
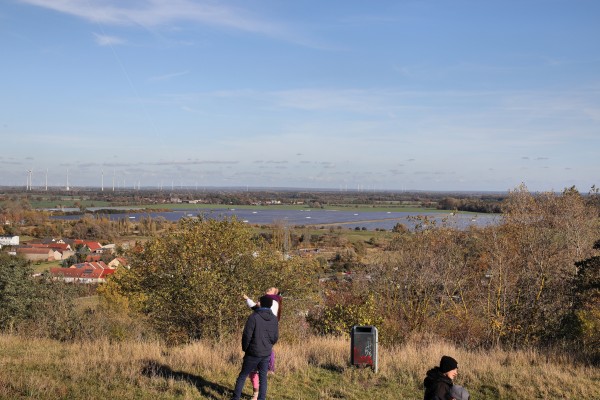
{"points": [[317, 368]]}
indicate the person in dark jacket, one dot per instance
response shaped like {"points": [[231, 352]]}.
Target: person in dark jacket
{"points": [[261, 332], [438, 382], [273, 293]]}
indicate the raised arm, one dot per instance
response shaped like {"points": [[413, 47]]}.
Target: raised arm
{"points": [[249, 302]]}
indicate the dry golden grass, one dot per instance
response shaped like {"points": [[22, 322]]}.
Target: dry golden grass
{"points": [[315, 369]]}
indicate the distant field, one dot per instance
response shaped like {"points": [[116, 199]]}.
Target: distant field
{"points": [[68, 202], [74, 201]]}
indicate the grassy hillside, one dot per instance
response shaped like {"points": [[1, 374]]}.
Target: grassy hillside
{"points": [[315, 369]]}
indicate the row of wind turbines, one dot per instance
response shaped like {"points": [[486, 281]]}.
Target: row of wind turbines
{"points": [[29, 184], [29, 181]]}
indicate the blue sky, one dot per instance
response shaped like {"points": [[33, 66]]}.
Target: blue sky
{"points": [[385, 95]]}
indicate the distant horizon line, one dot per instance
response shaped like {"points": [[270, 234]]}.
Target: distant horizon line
{"points": [[242, 188]]}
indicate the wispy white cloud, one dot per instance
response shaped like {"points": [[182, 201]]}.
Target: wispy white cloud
{"points": [[152, 13], [105, 40]]}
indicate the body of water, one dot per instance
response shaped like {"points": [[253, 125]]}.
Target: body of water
{"points": [[370, 220]]}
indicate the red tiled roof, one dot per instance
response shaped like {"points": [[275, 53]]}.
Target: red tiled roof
{"points": [[92, 264], [106, 272], [60, 246], [66, 272], [92, 245], [82, 273]]}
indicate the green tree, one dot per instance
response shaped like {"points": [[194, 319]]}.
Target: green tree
{"points": [[35, 306], [586, 304], [343, 308], [190, 281], [17, 290]]}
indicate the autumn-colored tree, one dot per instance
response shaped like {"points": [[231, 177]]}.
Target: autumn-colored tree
{"points": [[424, 282], [508, 284], [93, 228], [529, 264]]}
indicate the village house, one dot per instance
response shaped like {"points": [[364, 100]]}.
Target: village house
{"points": [[38, 254], [109, 248], [88, 272], [64, 250], [9, 241], [91, 246], [195, 201], [118, 262], [49, 240]]}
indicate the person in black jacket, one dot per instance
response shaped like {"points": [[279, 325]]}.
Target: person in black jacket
{"points": [[438, 382], [261, 332]]}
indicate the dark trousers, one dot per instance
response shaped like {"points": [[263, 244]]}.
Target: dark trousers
{"points": [[250, 364]]}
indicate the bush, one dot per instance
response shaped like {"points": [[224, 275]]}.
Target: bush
{"points": [[341, 311], [17, 292], [36, 307]]}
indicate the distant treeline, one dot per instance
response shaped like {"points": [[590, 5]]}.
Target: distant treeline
{"points": [[480, 205], [314, 199]]}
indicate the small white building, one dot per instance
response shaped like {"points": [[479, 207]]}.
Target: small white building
{"points": [[9, 241]]}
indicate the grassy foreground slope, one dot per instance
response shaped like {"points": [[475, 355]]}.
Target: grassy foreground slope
{"points": [[315, 369]]}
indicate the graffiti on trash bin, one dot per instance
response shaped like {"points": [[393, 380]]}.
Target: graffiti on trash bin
{"points": [[366, 355]]}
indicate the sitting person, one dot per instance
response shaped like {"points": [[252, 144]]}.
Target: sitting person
{"points": [[438, 382]]}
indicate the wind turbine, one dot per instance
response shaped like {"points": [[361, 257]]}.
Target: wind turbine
{"points": [[68, 179]]}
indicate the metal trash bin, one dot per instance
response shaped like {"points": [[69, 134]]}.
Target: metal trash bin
{"points": [[363, 346]]}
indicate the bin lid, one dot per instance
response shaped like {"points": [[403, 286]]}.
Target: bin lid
{"points": [[364, 329]]}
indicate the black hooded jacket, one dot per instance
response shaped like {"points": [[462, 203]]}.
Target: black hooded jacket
{"points": [[437, 385], [260, 333]]}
